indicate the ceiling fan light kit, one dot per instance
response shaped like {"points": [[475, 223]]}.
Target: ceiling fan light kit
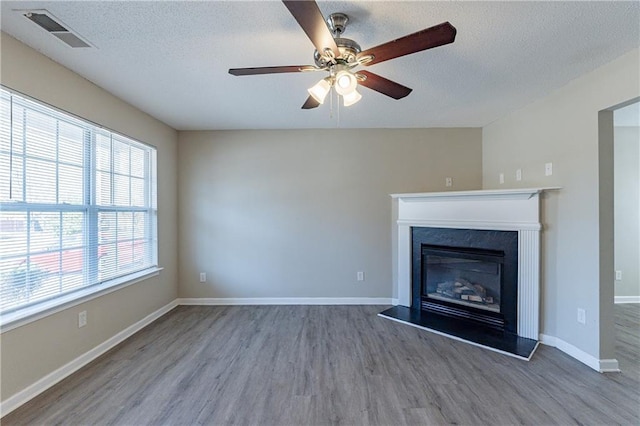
{"points": [[345, 82], [351, 98], [320, 90], [340, 55]]}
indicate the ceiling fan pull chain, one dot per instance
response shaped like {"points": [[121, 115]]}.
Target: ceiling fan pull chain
{"points": [[338, 108], [331, 102]]}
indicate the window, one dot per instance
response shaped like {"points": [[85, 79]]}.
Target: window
{"points": [[77, 205]]}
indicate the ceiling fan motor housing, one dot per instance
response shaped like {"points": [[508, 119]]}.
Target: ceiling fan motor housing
{"points": [[348, 48]]}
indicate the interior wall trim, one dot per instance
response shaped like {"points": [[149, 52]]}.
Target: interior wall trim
{"points": [[229, 301], [626, 299], [600, 365], [68, 369], [471, 224]]}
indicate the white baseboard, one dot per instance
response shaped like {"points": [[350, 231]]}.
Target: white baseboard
{"points": [[228, 301], [66, 370], [608, 366], [626, 299], [600, 365]]}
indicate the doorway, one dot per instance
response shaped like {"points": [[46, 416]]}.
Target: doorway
{"points": [[626, 174]]}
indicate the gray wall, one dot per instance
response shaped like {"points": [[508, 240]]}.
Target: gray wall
{"points": [[297, 213], [34, 350], [562, 128], [627, 205]]}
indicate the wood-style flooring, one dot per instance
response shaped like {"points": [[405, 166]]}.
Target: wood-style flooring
{"points": [[299, 365]]}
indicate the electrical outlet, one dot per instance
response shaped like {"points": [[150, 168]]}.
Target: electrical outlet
{"points": [[360, 276], [501, 177], [203, 277], [548, 169], [448, 181], [519, 174], [582, 316], [82, 319], [618, 275]]}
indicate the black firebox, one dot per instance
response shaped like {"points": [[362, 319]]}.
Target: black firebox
{"points": [[466, 274], [463, 282]]}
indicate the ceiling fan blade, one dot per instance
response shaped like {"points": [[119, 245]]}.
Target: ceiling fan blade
{"points": [[438, 35], [271, 70], [380, 84], [310, 103], [309, 17]]}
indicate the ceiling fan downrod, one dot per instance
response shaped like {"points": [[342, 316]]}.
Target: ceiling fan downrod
{"points": [[337, 23]]}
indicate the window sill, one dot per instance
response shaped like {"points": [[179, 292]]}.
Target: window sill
{"points": [[38, 311]]}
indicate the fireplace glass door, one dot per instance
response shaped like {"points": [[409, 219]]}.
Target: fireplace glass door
{"points": [[467, 278]]}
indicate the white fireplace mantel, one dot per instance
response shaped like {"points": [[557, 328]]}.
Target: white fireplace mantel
{"points": [[482, 193], [501, 210]]}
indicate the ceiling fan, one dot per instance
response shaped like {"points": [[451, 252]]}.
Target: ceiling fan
{"points": [[339, 56]]}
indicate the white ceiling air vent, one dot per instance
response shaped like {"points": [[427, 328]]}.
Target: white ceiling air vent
{"points": [[53, 26]]}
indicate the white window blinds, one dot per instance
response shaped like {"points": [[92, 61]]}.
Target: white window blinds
{"points": [[77, 204]]}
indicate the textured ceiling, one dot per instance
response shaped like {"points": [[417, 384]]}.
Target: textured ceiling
{"points": [[170, 58]]}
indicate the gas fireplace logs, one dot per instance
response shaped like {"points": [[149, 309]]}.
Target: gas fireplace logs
{"points": [[464, 290]]}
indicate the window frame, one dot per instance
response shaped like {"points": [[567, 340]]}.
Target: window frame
{"points": [[91, 286]]}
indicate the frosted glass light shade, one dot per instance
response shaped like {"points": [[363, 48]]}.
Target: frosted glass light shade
{"points": [[319, 90], [351, 98], [345, 83]]}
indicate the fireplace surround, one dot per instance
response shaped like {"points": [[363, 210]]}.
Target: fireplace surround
{"points": [[498, 232]]}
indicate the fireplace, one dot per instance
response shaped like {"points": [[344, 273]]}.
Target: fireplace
{"points": [[466, 274], [468, 266]]}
